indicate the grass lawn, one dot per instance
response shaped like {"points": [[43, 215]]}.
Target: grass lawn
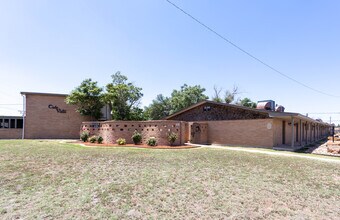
{"points": [[48, 180]]}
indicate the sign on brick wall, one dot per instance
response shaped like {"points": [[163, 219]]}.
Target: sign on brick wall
{"points": [[59, 110]]}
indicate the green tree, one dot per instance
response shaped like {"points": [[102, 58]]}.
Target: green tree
{"points": [[137, 114], [88, 99], [247, 103], [164, 106], [123, 98], [159, 108], [186, 96]]}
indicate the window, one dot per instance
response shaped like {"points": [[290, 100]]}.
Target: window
{"points": [[6, 123], [12, 124], [20, 123], [206, 108]]}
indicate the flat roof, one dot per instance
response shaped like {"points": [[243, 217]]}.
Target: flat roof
{"points": [[10, 116], [42, 93]]}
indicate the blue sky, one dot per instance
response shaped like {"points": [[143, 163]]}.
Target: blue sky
{"points": [[51, 46]]}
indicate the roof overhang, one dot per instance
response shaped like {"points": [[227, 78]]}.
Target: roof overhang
{"points": [[41, 93], [290, 115]]}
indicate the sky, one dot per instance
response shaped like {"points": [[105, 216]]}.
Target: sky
{"points": [[52, 45]]}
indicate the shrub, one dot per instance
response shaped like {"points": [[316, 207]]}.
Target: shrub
{"points": [[152, 141], [84, 136], [93, 139], [100, 140], [136, 137], [121, 141], [172, 137]]}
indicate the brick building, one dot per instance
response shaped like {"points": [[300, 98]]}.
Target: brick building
{"points": [[237, 125], [210, 122], [49, 117]]}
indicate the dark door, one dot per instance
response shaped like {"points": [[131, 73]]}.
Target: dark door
{"points": [[284, 132]]}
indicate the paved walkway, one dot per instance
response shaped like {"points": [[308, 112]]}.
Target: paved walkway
{"points": [[270, 152]]}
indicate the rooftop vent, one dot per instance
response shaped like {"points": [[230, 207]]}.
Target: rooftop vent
{"points": [[266, 105], [280, 108]]}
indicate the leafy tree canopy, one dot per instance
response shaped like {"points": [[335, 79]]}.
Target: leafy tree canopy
{"points": [[186, 96], [247, 103], [123, 98], [180, 99], [159, 108], [88, 99]]}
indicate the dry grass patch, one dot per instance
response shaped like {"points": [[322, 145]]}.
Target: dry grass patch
{"points": [[50, 180]]}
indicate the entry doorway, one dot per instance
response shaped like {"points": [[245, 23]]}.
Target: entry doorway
{"points": [[283, 132], [297, 133]]}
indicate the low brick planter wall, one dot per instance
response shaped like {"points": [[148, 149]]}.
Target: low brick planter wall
{"points": [[113, 130]]}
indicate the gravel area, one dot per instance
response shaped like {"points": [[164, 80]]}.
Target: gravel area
{"points": [[322, 149]]}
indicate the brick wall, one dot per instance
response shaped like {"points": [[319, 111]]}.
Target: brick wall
{"points": [[44, 122], [112, 130], [10, 133], [277, 129], [256, 132]]}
